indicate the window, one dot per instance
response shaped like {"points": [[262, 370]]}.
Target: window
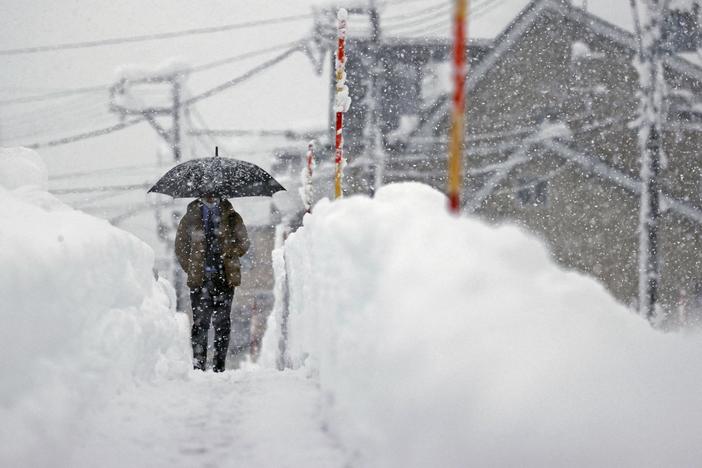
{"points": [[532, 193]]}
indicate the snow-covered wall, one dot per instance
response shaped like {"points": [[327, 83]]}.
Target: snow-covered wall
{"points": [[441, 341], [82, 316]]}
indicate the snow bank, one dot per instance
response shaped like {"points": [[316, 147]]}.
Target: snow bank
{"points": [[82, 316], [21, 167], [442, 341]]}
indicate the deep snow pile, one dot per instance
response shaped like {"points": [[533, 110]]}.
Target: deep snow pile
{"points": [[82, 314], [442, 341]]}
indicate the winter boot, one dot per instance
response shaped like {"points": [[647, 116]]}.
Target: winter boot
{"points": [[199, 357], [218, 363]]}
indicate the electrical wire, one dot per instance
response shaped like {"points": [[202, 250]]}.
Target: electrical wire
{"points": [[245, 55], [243, 77], [46, 122], [153, 37], [195, 69], [109, 170], [445, 26], [438, 22], [101, 188], [413, 14], [403, 2], [52, 113], [482, 8], [54, 95], [444, 21], [205, 145], [443, 14], [189, 102], [86, 135]]}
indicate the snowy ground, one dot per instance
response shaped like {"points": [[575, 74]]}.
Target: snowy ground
{"points": [[95, 367], [418, 339], [247, 418]]}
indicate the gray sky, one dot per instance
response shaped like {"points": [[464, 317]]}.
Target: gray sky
{"points": [[279, 98], [288, 95]]}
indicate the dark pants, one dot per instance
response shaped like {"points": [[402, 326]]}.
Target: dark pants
{"points": [[211, 305]]}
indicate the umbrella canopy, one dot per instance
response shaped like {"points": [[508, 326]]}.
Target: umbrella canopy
{"points": [[224, 177]]}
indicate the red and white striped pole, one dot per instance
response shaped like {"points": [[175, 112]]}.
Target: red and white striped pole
{"points": [[342, 102], [307, 174], [455, 175]]}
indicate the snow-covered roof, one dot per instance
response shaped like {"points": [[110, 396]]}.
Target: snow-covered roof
{"points": [[611, 23], [503, 21]]}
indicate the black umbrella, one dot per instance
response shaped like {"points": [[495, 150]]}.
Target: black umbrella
{"points": [[224, 177]]}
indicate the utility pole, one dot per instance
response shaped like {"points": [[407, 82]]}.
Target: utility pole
{"points": [[176, 119], [172, 137], [651, 114], [178, 282], [374, 149]]}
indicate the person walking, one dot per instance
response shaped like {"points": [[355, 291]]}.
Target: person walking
{"points": [[210, 238]]}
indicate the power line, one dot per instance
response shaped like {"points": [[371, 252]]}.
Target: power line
{"points": [[418, 18], [189, 102], [152, 37], [103, 188], [109, 170], [420, 28], [54, 94], [403, 2], [50, 120], [482, 8], [443, 24], [200, 139], [291, 134], [135, 211], [88, 202], [240, 78], [52, 111], [86, 135], [236, 58], [105, 87], [47, 131], [414, 14]]}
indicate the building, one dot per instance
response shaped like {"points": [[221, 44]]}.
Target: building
{"points": [[550, 144]]}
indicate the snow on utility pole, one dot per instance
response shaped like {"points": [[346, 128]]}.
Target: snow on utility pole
{"points": [[176, 119], [178, 279], [455, 173], [342, 101], [649, 123]]}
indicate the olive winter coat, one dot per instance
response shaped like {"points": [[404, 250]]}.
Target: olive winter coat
{"points": [[190, 243]]}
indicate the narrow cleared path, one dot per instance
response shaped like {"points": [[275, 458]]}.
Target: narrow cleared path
{"points": [[243, 418]]}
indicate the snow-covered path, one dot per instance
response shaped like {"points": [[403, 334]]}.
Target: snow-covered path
{"points": [[251, 418]]}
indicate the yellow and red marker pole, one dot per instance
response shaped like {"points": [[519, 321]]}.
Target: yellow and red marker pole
{"points": [[342, 102], [455, 175]]}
